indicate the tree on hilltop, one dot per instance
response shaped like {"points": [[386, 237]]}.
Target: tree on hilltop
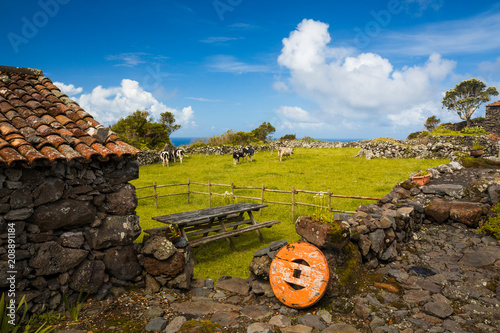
{"points": [[466, 97], [139, 129], [263, 132], [431, 123]]}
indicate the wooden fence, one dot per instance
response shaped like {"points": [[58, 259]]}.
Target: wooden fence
{"points": [[231, 195]]}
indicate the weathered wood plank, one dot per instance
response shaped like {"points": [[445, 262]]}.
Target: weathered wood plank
{"points": [[208, 213], [226, 234]]}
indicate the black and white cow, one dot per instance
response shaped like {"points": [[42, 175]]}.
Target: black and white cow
{"points": [[179, 153], [165, 157], [236, 156], [248, 152]]}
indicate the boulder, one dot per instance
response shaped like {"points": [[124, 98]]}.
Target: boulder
{"points": [[334, 234], [438, 210], [88, 277], [122, 262], [123, 201], [63, 214], [171, 267], [159, 247], [114, 231], [260, 266], [52, 258], [21, 198], [49, 191], [466, 213]]}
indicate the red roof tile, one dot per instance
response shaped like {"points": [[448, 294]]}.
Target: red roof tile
{"points": [[497, 103], [39, 125]]}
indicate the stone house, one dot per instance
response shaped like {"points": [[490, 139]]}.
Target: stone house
{"points": [[67, 211], [492, 119]]}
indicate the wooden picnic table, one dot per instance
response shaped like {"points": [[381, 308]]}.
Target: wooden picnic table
{"points": [[222, 222]]}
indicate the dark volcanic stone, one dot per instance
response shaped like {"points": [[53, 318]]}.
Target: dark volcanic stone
{"points": [[64, 213]]}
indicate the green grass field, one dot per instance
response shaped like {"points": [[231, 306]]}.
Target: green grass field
{"points": [[333, 169]]}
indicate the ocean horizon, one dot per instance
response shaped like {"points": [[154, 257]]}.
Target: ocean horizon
{"points": [[184, 141]]}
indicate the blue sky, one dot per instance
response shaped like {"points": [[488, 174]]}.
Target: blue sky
{"points": [[346, 70]]}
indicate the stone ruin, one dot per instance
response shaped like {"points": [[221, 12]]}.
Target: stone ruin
{"points": [[372, 236], [75, 228]]}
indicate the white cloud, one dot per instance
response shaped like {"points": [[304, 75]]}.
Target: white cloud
{"points": [[295, 113], [229, 64], [280, 86], [364, 87], [295, 118], [68, 89], [108, 105], [202, 99]]}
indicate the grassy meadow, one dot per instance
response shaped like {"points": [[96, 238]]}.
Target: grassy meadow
{"points": [[334, 169]]}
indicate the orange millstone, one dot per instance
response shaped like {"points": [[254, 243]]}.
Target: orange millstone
{"points": [[299, 275]]}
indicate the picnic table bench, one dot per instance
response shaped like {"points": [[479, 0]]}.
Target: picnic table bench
{"points": [[222, 221]]}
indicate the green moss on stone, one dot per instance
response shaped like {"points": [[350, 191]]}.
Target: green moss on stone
{"points": [[201, 326], [351, 272]]}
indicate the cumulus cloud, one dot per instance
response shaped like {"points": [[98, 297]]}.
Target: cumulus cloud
{"points": [[295, 113], [294, 117], [68, 89], [108, 105], [365, 86]]}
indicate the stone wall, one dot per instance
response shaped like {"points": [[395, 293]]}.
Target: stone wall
{"points": [[492, 121], [66, 229], [433, 147]]}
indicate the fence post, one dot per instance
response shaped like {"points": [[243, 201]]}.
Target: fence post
{"points": [[232, 190], [156, 196], [262, 199], [329, 202], [188, 190], [293, 203], [209, 195]]}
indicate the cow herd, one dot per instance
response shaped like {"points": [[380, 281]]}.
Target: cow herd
{"points": [[171, 155]]}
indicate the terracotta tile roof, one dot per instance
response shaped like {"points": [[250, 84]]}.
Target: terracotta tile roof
{"points": [[497, 103], [39, 125]]}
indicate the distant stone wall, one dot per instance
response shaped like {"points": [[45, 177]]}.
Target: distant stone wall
{"points": [[492, 121], [431, 147], [67, 228]]}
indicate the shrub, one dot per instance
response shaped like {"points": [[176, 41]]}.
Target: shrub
{"points": [[287, 137], [492, 226], [473, 130], [307, 139], [413, 135]]}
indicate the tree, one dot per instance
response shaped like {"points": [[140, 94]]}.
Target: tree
{"points": [[431, 123], [263, 132], [139, 130], [466, 97]]}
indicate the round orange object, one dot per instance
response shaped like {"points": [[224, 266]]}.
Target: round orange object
{"points": [[299, 275]]}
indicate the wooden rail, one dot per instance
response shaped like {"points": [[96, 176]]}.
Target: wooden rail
{"points": [[231, 195]]}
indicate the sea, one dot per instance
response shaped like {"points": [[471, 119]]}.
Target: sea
{"points": [[184, 141]]}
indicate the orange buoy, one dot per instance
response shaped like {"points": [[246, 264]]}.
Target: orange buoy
{"points": [[299, 275]]}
